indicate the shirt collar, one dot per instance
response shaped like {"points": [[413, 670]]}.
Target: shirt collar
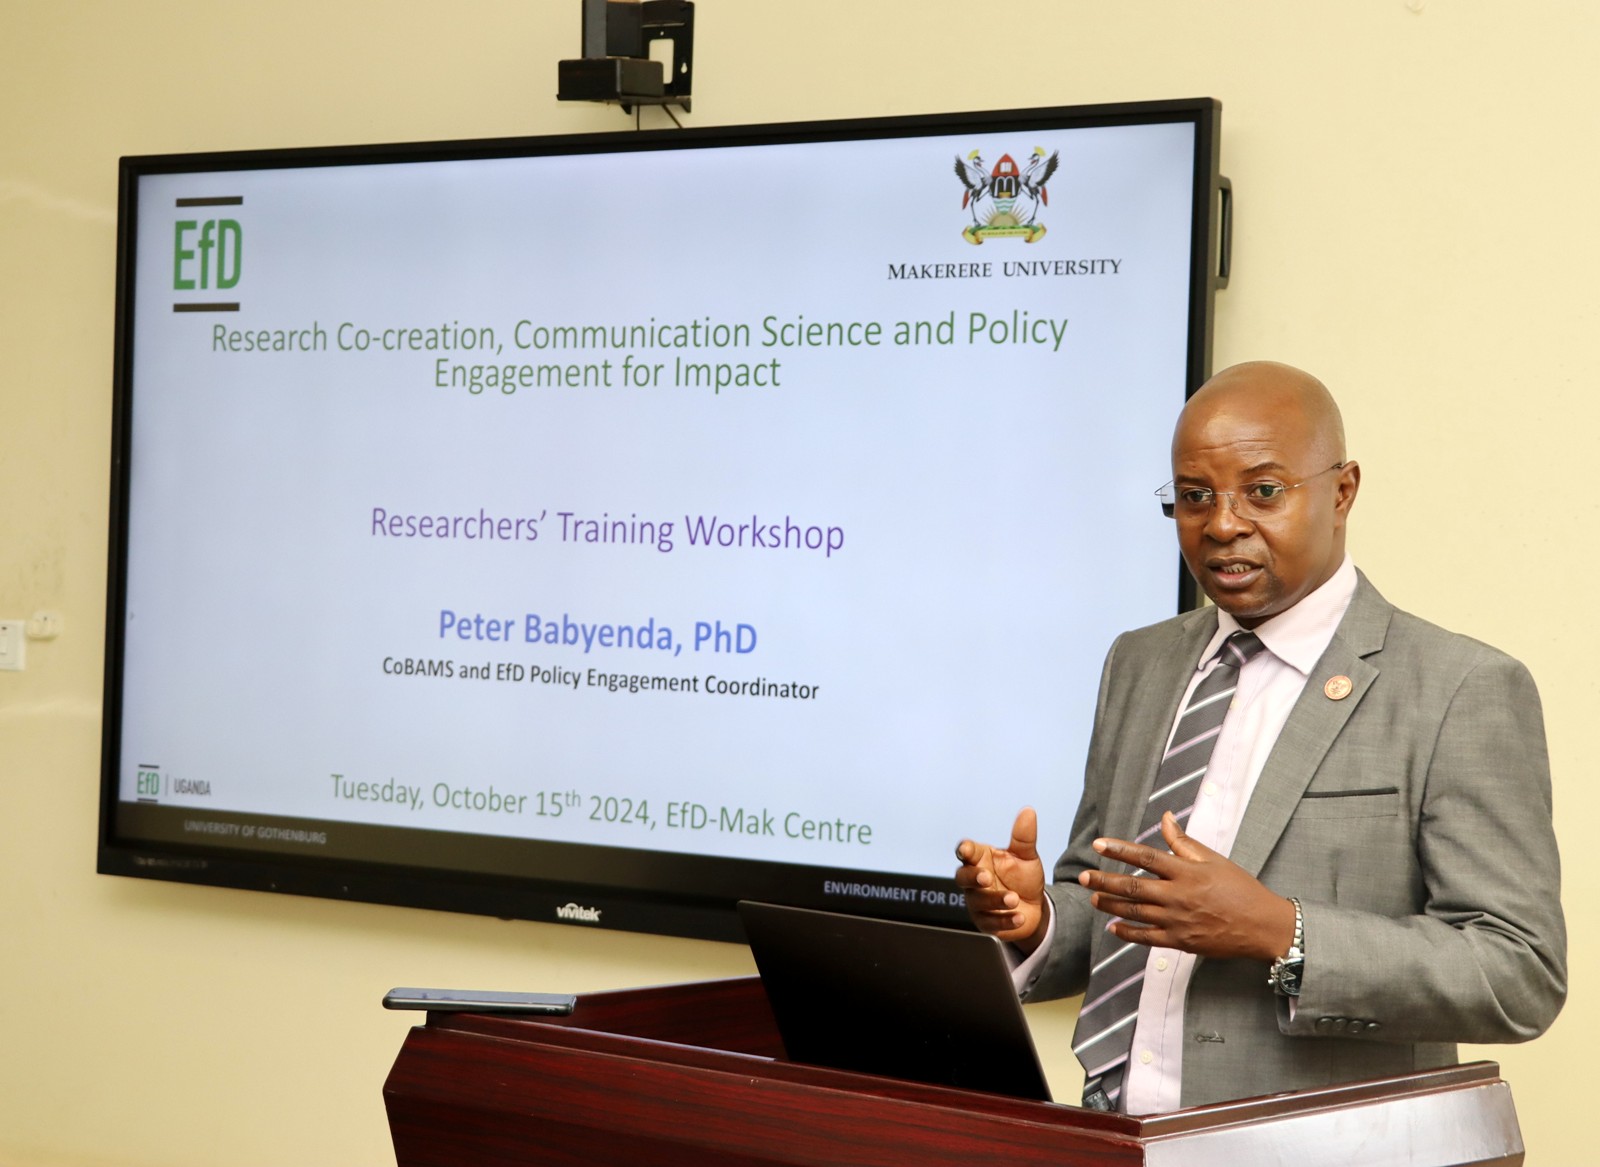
{"points": [[1301, 635]]}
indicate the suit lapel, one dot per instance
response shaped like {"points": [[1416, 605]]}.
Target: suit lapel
{"points": [[1313, 724]]}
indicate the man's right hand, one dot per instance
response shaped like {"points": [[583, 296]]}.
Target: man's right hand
{"points": [[1005, 888]]}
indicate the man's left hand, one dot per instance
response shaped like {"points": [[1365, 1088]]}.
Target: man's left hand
{"points": [[1194, 900]]}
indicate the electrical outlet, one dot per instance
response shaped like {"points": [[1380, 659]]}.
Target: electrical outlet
{"points": [[13, 639]]}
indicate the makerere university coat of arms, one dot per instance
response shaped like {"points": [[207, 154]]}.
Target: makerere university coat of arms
{"points": [[1005, 201]]}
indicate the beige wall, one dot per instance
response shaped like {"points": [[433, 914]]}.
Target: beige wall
{"points": [[1414, 189]]}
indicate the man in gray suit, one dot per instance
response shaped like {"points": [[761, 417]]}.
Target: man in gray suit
{"points": [[1366, 873]]}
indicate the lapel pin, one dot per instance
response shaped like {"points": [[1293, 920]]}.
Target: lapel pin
{"points": [[1338, 688]]}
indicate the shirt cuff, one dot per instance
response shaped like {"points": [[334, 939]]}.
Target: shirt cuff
{"points": [[1025, 969]]}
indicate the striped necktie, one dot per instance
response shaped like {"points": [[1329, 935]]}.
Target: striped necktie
{"points": [[1104, 1036]]}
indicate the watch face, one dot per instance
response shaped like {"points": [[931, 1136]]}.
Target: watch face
{"points": [[1286, 975]]}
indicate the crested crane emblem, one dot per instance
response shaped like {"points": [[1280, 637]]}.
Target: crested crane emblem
{"points": [[1005, 201]]}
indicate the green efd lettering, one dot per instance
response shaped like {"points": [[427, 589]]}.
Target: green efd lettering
{"points": [[181, 253], [229, 230], [208, 240], [223, 236]]}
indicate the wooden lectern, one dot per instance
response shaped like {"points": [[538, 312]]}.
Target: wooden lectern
{"points": [[694, 1074]]}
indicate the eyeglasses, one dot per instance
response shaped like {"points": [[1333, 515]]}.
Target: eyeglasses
{"points": [[1251, 501]]}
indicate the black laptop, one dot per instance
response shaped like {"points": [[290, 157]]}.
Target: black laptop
{"points": [[902, 1000]]}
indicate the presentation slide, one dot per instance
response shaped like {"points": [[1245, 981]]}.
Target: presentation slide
{"points": [[772, 503]]}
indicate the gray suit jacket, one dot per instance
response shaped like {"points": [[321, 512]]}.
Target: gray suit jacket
{"points": [[1411, 819]]}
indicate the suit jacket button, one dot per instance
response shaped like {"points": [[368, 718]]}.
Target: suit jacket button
{"points": [[1373, 1027], [1323, 1023]]}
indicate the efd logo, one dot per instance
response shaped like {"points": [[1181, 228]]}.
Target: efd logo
{"points": [[207, 254]]}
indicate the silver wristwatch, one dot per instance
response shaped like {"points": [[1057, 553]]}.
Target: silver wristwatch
{"points": [[1288, 970]]}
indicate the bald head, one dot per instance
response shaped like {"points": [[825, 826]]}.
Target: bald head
{"points": [[1262, 433], [1290, 400]]}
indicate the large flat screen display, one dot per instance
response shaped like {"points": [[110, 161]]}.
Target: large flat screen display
{"points": [[607, 529]]}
